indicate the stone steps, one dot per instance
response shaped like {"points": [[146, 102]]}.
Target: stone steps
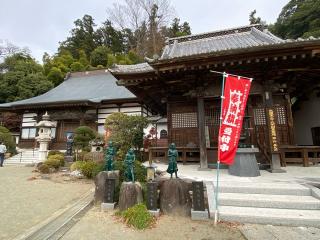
{"points": [[288, 217], [24, 157], [269, 201], [265, 188], [272, 203]]}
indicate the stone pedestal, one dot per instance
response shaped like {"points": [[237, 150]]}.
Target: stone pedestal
{"points": [[275, 164], [43, 149], [245, 163], [130, 195], [175, 198]]}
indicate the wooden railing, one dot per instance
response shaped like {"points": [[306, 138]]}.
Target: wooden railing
{"points": [[300, 154]]}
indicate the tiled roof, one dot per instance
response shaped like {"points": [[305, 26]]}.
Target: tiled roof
{"points": [[93, 86], [240, 38], [215, 42], [136, 68]]}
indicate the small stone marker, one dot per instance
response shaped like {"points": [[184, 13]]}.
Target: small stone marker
{"points": [[152, 198], [198, 198], [109, 190], [198, 212]]}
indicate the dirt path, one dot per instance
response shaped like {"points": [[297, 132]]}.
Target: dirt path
{"points": [[97, 225], [25, 201]]}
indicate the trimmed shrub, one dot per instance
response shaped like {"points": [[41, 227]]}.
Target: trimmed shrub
{"points": [[44, 168], [138, 217], [55, 152], [83, 135], [52, 163], [58, 157], [88, 168], [77, 165]]}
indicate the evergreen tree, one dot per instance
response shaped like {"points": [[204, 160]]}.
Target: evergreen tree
{"points": [[22, 78], [100, 56], [83, 36], [299, 18]]}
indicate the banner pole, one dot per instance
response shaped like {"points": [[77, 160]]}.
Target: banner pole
{"points": [[218, 161]]}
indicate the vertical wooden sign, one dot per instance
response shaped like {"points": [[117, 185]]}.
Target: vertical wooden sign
{"points": [[272, 129]]}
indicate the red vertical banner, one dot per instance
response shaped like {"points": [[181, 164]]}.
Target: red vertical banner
{"points": [[236, 92]]}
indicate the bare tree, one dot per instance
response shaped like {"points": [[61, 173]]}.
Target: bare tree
{"points": [[133, 13], [145, 18], [7, 49]]}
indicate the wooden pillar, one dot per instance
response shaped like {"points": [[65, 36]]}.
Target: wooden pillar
{"points": [[275, 165], [290, 120], [82, 119], [202, 137]]}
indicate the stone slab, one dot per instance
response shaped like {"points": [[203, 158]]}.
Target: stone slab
{"points": [[107, 206], [245, 163], [155, 213], [286, 217], [199, 215]]}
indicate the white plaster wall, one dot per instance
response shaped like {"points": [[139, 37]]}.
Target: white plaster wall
{"points": [[160, 126], [307, 117], [28, 120]]}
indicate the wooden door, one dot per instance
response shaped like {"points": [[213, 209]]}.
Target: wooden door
{"points": [[64, 127]]}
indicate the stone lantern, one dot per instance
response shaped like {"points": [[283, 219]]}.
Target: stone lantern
{"points": [[44, 136]]}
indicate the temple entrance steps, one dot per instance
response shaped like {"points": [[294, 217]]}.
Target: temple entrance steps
{"points": [[288, 204], [26, 156]]}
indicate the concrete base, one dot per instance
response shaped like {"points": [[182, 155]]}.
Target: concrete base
{"points": [[107, 206], [155, 213], [245, 163], [199, 215]]}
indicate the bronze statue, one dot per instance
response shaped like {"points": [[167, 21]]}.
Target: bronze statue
{"points": [[109, 157], [173, 156], [129, 165]]}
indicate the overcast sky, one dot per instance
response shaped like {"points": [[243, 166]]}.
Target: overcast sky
{"points": [[41, 24]]}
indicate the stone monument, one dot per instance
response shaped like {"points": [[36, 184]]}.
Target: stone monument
{"points": [[152, 198], [108, 198], [175, 197], [44, 136], [198, 211]]}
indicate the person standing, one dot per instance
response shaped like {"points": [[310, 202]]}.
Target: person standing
{"points": [[3, 150]]}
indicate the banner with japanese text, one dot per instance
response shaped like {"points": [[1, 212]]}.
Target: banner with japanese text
{"points": [[236, 92]]}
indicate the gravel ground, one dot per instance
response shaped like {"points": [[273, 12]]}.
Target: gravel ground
{"points": [[97, 225], [26, 199]]}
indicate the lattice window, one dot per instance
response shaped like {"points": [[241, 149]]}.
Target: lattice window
{"points": [[184, 120], [259, 116], [281, 115], [212, 116]]}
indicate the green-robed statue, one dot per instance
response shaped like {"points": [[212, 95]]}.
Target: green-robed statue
{"points": [[173, 156], [129, 165], [109, 157]]}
